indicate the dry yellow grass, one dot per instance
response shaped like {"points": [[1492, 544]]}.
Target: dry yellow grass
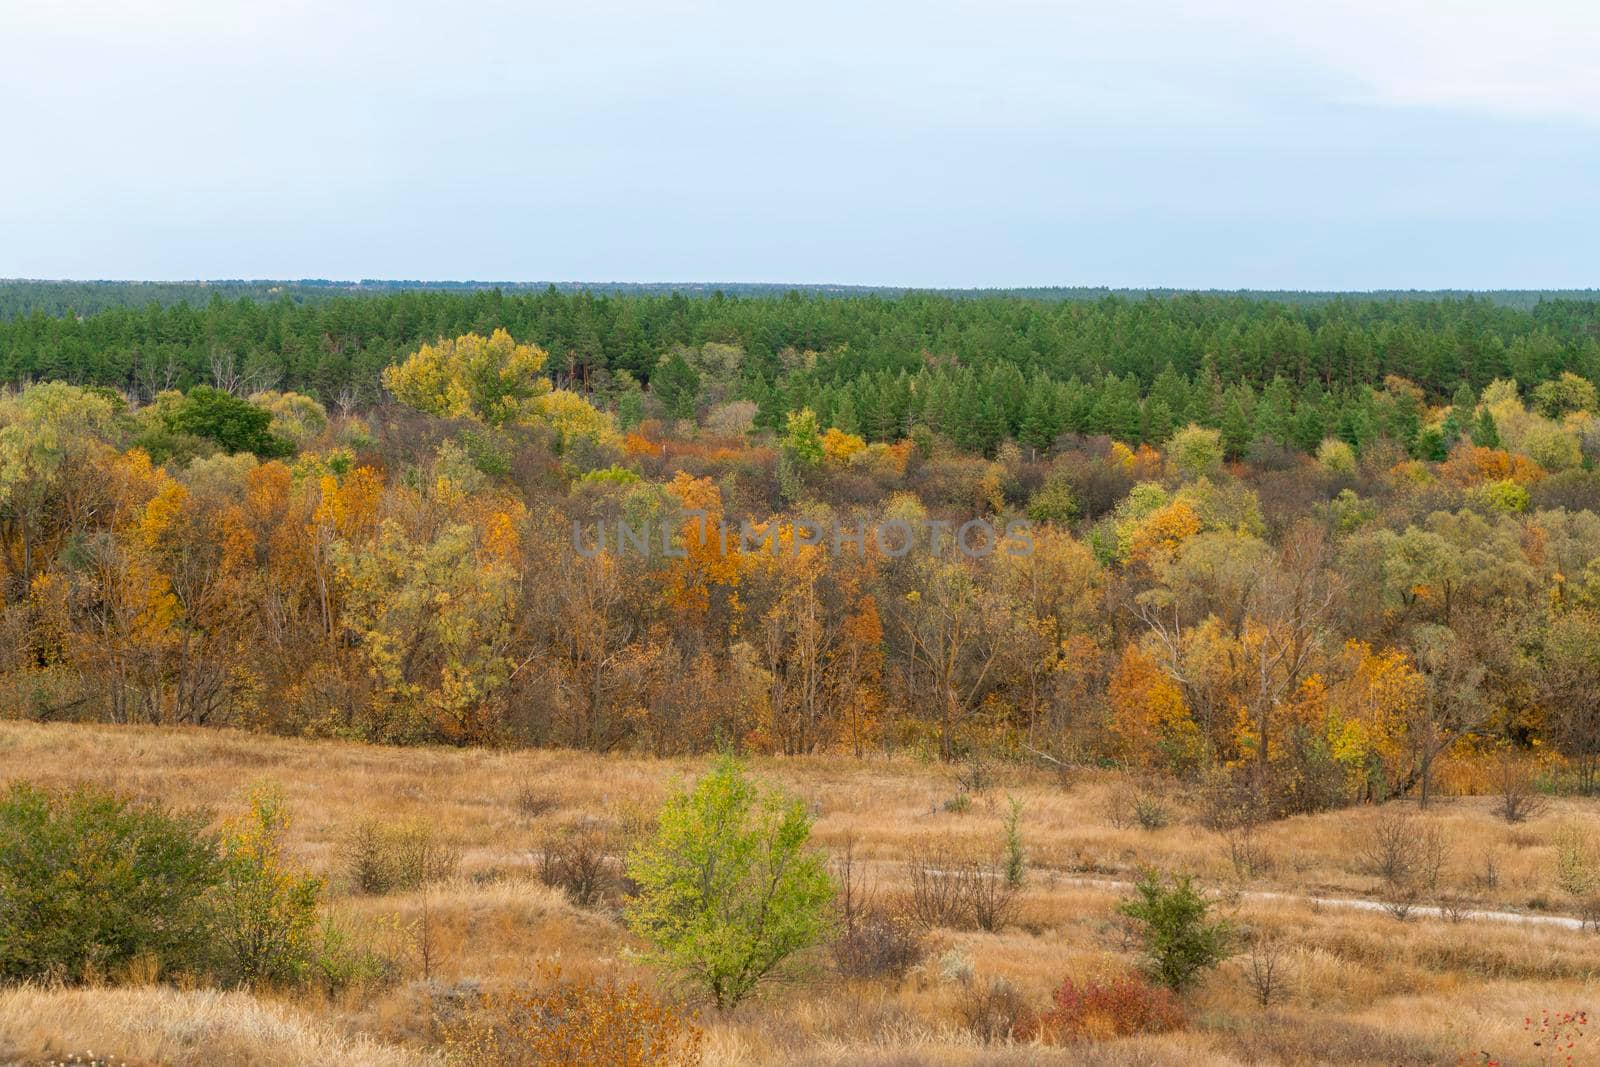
{"points": [[1363, 987]]}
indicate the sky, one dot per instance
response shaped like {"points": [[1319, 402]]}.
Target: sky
{"points": [[941, 143]]}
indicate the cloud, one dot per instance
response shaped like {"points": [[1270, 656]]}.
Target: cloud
{"points": [[1529, 60]]}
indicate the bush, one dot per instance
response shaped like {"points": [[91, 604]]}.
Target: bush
{"points": [[876, 944], [1518, 800], [994, 1012], [1150, 813], [89, 881], [870, 942], [1097, 1010], [576, 860], [386, 858], [266, 914], [581, 1023], [728, 889], [1179, 943]]}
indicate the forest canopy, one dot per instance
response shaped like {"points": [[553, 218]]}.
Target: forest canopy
{"points": [[1316, 552]]}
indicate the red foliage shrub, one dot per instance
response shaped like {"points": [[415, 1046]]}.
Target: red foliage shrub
{"points": [[1114, 1008]]}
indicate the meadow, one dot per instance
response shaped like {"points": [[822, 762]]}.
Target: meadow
{"points": [[1353, 985]]}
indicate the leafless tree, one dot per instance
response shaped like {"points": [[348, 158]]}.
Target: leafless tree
{"points": [[1407, 853], [1517, 799], [1266, 970]]}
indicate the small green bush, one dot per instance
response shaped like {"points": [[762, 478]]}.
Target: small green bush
{"points": [[90, 880], [1180, 943]]}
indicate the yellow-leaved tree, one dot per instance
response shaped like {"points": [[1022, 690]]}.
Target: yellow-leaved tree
{"points": [[498, 381], [491, 379]]}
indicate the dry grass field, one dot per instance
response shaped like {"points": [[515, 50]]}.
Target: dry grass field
{"points": [[1359, 985]]}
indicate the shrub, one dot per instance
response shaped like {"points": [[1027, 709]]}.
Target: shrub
{"points": [[1518, 799], [1265, 970], [728, 889], [1576, 867], [1150, 813], [266, 913], [994, 1011], [869, 941], [576, 860], [386, 858], [580, 1023], [876, 944], [991, 894], [1097, 1010], [946, 890], [89, 881], [1180, 944]]}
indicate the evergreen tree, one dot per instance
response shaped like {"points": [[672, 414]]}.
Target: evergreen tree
{"points": [[677, 386], [1463, 404], [630, 404], [1485, 434], [1429, 445], [1158, 421], [1310, 424], [1273, 412], [1236, 429], [1171, 388], [843, 416], [1039, 422]]}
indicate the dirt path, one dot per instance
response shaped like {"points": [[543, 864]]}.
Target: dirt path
{"points": [[1565, 922]]}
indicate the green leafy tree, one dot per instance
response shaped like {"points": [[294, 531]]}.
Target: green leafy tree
{"points": [[728, 889], [1196, 452], [1053, 502], [1181, 942], [231, 422], [799, 452], [492, 379]]}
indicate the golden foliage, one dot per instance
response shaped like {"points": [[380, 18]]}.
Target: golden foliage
{"points": [[580, 1022]]}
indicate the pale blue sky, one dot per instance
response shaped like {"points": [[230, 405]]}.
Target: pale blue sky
{"points": [[1238, 144]]}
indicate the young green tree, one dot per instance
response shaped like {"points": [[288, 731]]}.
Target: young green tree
{"points": [[728, 889], [799, 452], [1485, 434], [266, 913], [1180, 943]]}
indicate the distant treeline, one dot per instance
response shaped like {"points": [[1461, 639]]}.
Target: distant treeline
{"points": [[59, 298], [989, 368]]}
